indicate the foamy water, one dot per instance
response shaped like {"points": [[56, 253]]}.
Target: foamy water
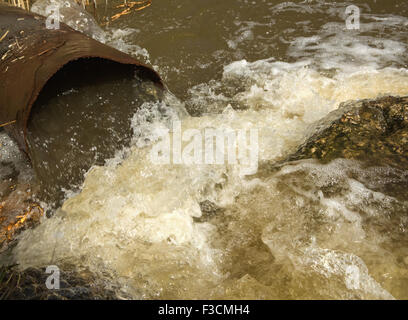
{"points": [[307, 230]]}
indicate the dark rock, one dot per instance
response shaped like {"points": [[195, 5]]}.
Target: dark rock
{"points": [[373, 131], [208, 210], [30, 284]]}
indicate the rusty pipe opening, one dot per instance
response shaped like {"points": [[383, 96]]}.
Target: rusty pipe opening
{"points": [[69, 99], [30, 54]]}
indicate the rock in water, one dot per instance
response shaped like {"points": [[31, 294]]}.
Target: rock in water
{"points": [[373, 131], [30, 284], [71, 14]]}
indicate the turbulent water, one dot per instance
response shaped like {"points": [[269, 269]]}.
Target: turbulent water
{"points": [[307, 230]]}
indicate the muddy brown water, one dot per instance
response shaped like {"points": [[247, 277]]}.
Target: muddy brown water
{"points": [[308, 230]]}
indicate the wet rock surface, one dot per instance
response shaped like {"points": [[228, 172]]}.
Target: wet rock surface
{"points": [[30, 284], [373, 131], [18, 207]]}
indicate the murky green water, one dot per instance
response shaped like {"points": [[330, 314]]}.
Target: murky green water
{"points": [[309, 230]]}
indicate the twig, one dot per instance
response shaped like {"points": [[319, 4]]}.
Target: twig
{"points": [[7, 123], [4, 35], [129, 8]]}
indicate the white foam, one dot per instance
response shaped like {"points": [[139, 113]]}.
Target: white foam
{"points": [[334, 47], [72, 14]]}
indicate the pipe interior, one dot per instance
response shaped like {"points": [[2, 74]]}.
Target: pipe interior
{"points": [[82, 117]]}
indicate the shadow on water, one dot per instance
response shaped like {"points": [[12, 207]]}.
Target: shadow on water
{"points": [[81, 118]]}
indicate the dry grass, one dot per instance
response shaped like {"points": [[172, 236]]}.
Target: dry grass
{"points": [[131, 7], [26, 4], [127, 6], [7, 123], [29, 218]]}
